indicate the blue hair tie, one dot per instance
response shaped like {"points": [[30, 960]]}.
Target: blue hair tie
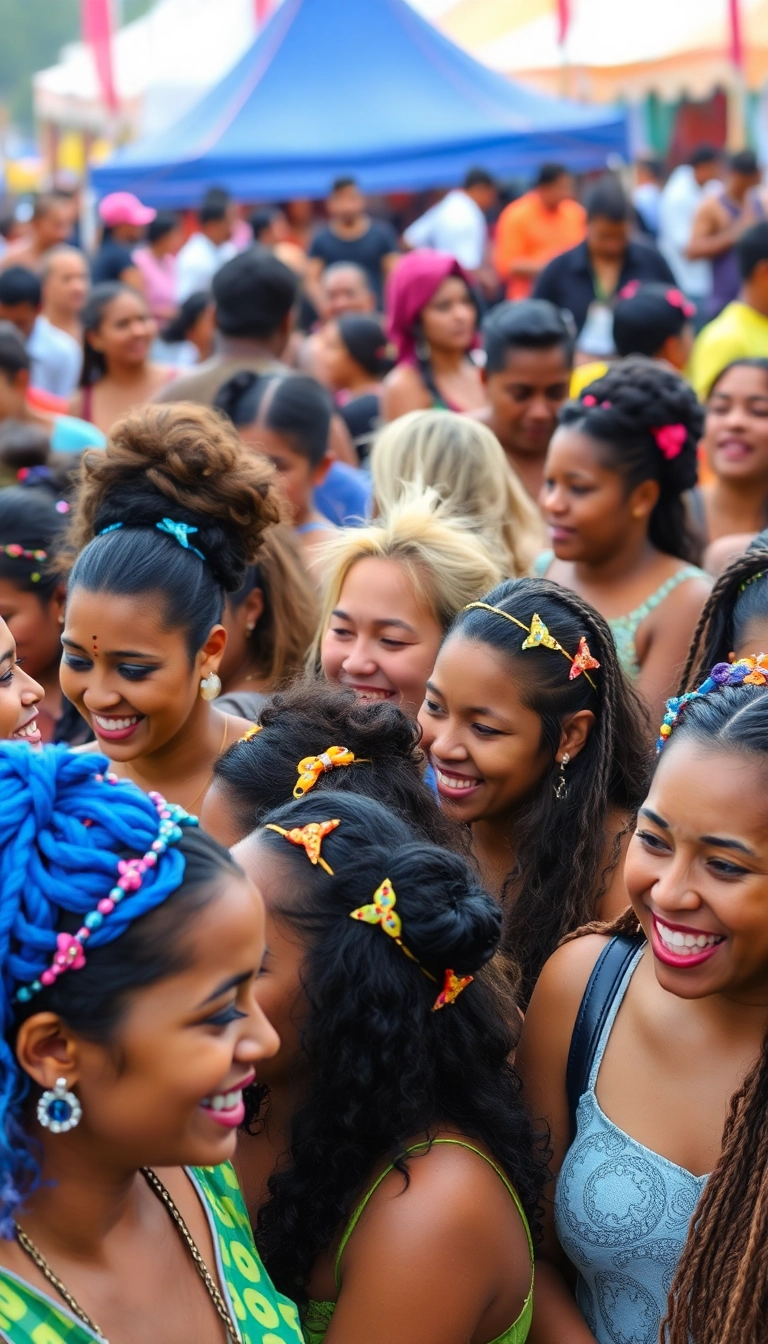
{"points": [[181, 532]]}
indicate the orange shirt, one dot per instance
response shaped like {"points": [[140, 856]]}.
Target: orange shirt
{"points": [[529, 232]]}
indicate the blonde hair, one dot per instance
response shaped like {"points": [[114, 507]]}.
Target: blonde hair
{"points": [[449, 565], [466, 465]]}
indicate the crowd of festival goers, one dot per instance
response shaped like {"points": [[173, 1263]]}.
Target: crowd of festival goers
{"points": [[383, 700]]}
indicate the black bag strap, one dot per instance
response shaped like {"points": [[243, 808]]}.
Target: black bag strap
{"points": [[602, 988]]}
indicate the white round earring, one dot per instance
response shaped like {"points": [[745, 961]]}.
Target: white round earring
{"points": [[249, 629], [58, 1109], [210, 686]]}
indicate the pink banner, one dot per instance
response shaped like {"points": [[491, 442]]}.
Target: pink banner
{"points": [[263, 10], [97, 25], [563, 20], [737, 46]]}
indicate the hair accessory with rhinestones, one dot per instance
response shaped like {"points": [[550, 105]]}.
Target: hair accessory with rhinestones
{"points": [[538, 637]]}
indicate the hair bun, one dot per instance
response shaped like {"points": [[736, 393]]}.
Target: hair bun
{"points": [[184, 462], [449, 921]]}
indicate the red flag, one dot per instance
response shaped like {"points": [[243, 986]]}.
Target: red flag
{"points": [[98, 26], [263, 11], [737, 47], [564, 19]]}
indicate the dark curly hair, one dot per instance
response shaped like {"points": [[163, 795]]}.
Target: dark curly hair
{"points": [[383, 1069], [738, 600], [305, 720], [185, 463], [620, 412], [561, 868]]}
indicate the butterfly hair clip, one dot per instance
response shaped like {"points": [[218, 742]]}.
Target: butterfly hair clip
{"points": [[309, 838], [583, 660], [453, 986], [381, 910], [312, 767]]}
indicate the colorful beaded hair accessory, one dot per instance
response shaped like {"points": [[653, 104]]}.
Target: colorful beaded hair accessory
{"points": [[312, 767], [70, 954], [16, 552], [382, 911], [746, 672], [181, 532], [309, 838], [539, 637]]}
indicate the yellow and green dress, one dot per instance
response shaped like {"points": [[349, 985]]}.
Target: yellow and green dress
{"points": [[263, 1316]]}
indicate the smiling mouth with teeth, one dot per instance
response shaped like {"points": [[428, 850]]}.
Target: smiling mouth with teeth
{"points": [[455, 781], [116, 725], [223, 1101], [28, 730], [685, 944]]}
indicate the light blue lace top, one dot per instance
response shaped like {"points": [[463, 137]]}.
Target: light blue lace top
{"points": [[624, 628], [622, 1215]]}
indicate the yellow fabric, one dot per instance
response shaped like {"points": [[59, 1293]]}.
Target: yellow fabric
{"points": [[584, 374], [740, 332]]}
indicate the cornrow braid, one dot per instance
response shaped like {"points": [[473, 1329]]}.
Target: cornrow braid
{"points": [[561, 868], [739, 597]]}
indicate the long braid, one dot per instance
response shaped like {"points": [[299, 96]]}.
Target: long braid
{"points": [[714, 636]]}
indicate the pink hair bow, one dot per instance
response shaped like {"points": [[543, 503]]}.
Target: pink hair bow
{"points": [[670, 440], [629, 291], [678, 300]]}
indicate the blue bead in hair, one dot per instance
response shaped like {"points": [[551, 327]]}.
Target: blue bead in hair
{"points": [[62, 830]]}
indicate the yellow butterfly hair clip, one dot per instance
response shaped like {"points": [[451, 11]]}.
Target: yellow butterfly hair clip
{"points": [[250, 733], [381, 910], [312, 767], [539, 635], [309, 838]]}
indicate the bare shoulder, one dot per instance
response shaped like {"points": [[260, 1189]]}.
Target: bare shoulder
{"points": [[686, 600], [403, 390]]}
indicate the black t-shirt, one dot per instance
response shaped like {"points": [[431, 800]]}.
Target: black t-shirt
{"points": [[368, 251], [362, 416], [110, 261]]}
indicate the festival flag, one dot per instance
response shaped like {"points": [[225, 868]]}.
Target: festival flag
{"points": [[737, 46], [263, 10], [97, 28], [564, 19]]}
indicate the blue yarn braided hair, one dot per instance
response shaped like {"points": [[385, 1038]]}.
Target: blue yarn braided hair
{"points": [[63, 828]]}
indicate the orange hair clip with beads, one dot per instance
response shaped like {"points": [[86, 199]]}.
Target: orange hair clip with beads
{"points": [[309, 838]]}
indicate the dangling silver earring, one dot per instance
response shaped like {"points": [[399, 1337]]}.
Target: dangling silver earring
{"points": [[210, 686], [561, 788], [58, 1109]]}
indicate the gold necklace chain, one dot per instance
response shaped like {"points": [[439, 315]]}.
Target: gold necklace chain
{"points": [[164, 1196]]}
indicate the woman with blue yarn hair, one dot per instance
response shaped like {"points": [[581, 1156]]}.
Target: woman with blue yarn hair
{"points": [[166, 522], [130, 943]]}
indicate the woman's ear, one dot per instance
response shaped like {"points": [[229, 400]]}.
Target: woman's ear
{"points": [[212, 651], [47, 1050], [250, 612], [574, 735], [644, 498]]}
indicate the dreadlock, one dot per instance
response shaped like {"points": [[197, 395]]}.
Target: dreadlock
{"points": [[738, 601], [560, 869]]}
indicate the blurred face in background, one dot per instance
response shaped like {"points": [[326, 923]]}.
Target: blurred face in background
{"points": [[345, 290], [607, 239], [66, 283]]}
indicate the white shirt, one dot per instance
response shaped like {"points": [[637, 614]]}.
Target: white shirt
{"points": [[455, 225], [197, 263], [679, 202], [56, 358]]}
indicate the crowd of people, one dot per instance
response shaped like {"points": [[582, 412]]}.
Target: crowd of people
{"points": [[383, 657]]}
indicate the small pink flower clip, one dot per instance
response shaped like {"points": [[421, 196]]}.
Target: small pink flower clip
{"points": [[589, 400], [70, 955], [670, 440], [605, 405], [630, 289], [678, 300]]}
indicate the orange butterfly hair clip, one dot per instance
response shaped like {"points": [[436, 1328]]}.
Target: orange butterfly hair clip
{"points": [[312, 767], [453, 986], [583, 661], [309, 838]]}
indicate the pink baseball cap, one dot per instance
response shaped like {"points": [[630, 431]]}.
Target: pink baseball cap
{"points": [[122, 207]]}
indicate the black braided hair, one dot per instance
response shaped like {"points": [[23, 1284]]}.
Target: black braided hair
{"points": [[620, 412], [738, 600]]}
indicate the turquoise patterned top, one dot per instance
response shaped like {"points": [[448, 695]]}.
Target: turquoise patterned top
{"points": [[624, 628], [622, 1214], [263, 1316]]}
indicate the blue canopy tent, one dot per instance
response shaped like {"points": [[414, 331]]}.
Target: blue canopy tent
{"points": [[360, 87]]}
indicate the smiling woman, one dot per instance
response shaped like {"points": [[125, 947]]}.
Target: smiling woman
{"points": [[20, 694], [659, 1139], [129, 951], [392, 590], [169, 517]]}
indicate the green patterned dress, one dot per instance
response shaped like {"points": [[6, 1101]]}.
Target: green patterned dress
{"points": [[264, 1316]]}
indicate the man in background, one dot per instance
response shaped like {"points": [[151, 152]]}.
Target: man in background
{"points": [[344, 289], [55, 357], [351, 235], [536, 227], [65, 282], [680, 199], [720, 221], [53, 219], [209, 248], [457, 224]]}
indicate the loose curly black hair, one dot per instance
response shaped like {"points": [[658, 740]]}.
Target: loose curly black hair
{"points": [[305, 720], [382, 1069], [620, 412]]}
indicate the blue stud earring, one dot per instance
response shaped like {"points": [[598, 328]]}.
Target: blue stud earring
{"points": [[59, 1110]]}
